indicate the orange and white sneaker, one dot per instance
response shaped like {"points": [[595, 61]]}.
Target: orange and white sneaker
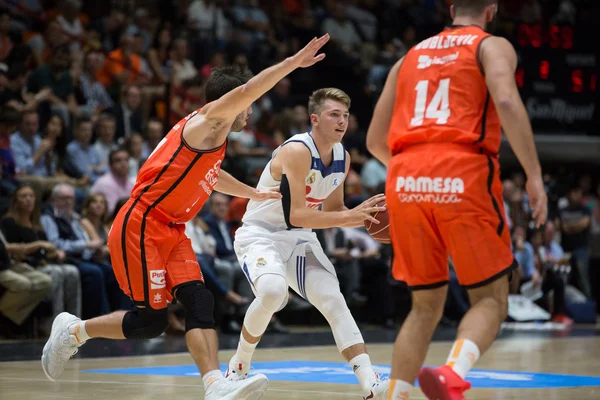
{"points": [[442, 383], [237, 371]]}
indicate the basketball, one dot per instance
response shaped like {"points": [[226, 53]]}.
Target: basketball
{"points": [[381, 231]]}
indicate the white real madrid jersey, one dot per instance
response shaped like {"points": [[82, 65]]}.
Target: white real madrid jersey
{"points": [[320, 182]]}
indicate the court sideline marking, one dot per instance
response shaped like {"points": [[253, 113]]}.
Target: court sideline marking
{"points": [[9, 378]]}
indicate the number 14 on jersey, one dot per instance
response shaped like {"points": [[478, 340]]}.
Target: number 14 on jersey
{"points": [[437, 109]]}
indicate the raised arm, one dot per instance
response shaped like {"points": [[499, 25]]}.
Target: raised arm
{"points": [[499, 61], [382, 117], [236, 101], [294, 161]]}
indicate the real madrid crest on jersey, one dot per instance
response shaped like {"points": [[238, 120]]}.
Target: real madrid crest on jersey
{"points": [[261, 262], [312, 178]]}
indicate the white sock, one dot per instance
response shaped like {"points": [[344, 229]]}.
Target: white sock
{"points": [[245, 350], [361, 365], [78, 330], [463, 356], [399, 390], [211, 377]]}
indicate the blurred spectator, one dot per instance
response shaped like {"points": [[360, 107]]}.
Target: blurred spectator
{"points": [[9, 119], [11, 86], [43, 46], [122, 67], [55, 76], [95, 215], [62, 225], [182, 67], [106, 127], [128, 113], [575, 221], [115, 184], [134, 146], [22, 229], [141, 27], [24, 289], [82, 159], [154, 134], [373, 176], [94, 97], [33, 155], [158, 54]]}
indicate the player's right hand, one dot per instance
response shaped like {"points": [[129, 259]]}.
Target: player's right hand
{"points": [[358, 215], [538, 200], [306, 57]]}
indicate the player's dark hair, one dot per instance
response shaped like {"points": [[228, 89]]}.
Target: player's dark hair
{"points": [[225, 79], [471, 7]]}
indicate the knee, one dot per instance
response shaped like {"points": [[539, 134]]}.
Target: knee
{"points": [[145, 323], [71, 272], [428, 310], [272, 291], [330, 304], [199, 304]]}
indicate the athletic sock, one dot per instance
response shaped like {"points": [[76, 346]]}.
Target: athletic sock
{"points": [[244, 351], [463, 356], [78, 330], [211, 377], [361, 365], [399, 390]]}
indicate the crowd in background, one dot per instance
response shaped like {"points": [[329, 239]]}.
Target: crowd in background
{"points": [[89, 89]]}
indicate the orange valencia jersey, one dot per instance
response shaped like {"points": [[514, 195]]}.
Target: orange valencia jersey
{"points": [[441, 95], [177, 180]]}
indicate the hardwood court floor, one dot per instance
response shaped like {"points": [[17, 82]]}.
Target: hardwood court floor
{"points": [[574, 356]]}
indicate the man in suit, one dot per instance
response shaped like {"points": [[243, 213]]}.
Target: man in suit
{"points": [[129, 113]]}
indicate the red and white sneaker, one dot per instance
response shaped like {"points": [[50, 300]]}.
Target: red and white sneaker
{"points": [[237, 371], [442, 384]]}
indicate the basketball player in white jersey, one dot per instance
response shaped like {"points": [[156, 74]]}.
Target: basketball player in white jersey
{"points": [[277, 249]]}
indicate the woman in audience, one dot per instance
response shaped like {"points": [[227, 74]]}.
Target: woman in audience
{"points": [[95, 213], [135, 147], [21, 225]]}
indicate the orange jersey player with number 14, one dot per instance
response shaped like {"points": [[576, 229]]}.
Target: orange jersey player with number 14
{"points": [[152, 258], [437, 126]]}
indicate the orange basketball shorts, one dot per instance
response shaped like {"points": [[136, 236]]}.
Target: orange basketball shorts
{"points": [[446, 200], [150, 256]]}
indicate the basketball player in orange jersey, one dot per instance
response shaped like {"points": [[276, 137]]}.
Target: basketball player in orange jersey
{"points": [[152, 258], [441, 110]]}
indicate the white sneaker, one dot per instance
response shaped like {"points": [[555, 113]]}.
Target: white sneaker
{"points": [[247, 389], [379, 390], [237, 371], [60, 347]]}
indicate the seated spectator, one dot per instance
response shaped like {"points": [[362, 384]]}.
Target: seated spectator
{"points": [[536, 266], [373, 175], [134, 146], [106, 127], [11, 89], [116, 184], [95, 214], [226, 263], [56, 77], [182, 67], [121, 67], [159, 54], [154, 134], [6, 43], [24, 289], [101, 292], [128, 113], [9, 119], [93, 95], [22, 229], [82, 159]]}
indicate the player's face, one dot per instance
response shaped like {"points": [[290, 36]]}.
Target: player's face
{"points": [[241, 120], [333, 120]]}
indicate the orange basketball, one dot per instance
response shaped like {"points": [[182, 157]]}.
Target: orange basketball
{"points": [[381, 231]]}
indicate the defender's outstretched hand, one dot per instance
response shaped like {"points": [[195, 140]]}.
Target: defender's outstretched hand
{"points": [[306, 57], [262, 195]]}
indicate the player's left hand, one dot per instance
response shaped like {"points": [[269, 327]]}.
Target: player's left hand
{"points": [[372, 202], [262, 195]]}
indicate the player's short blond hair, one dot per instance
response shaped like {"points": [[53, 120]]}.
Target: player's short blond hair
{"points": [[318, 98]]}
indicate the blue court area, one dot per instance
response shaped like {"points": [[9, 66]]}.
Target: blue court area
{"points": [[340, 373]]}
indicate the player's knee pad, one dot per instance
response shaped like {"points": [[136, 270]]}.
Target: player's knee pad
{"points": [[145, 323], [272, 292], [343, 326], [199, 305]]}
